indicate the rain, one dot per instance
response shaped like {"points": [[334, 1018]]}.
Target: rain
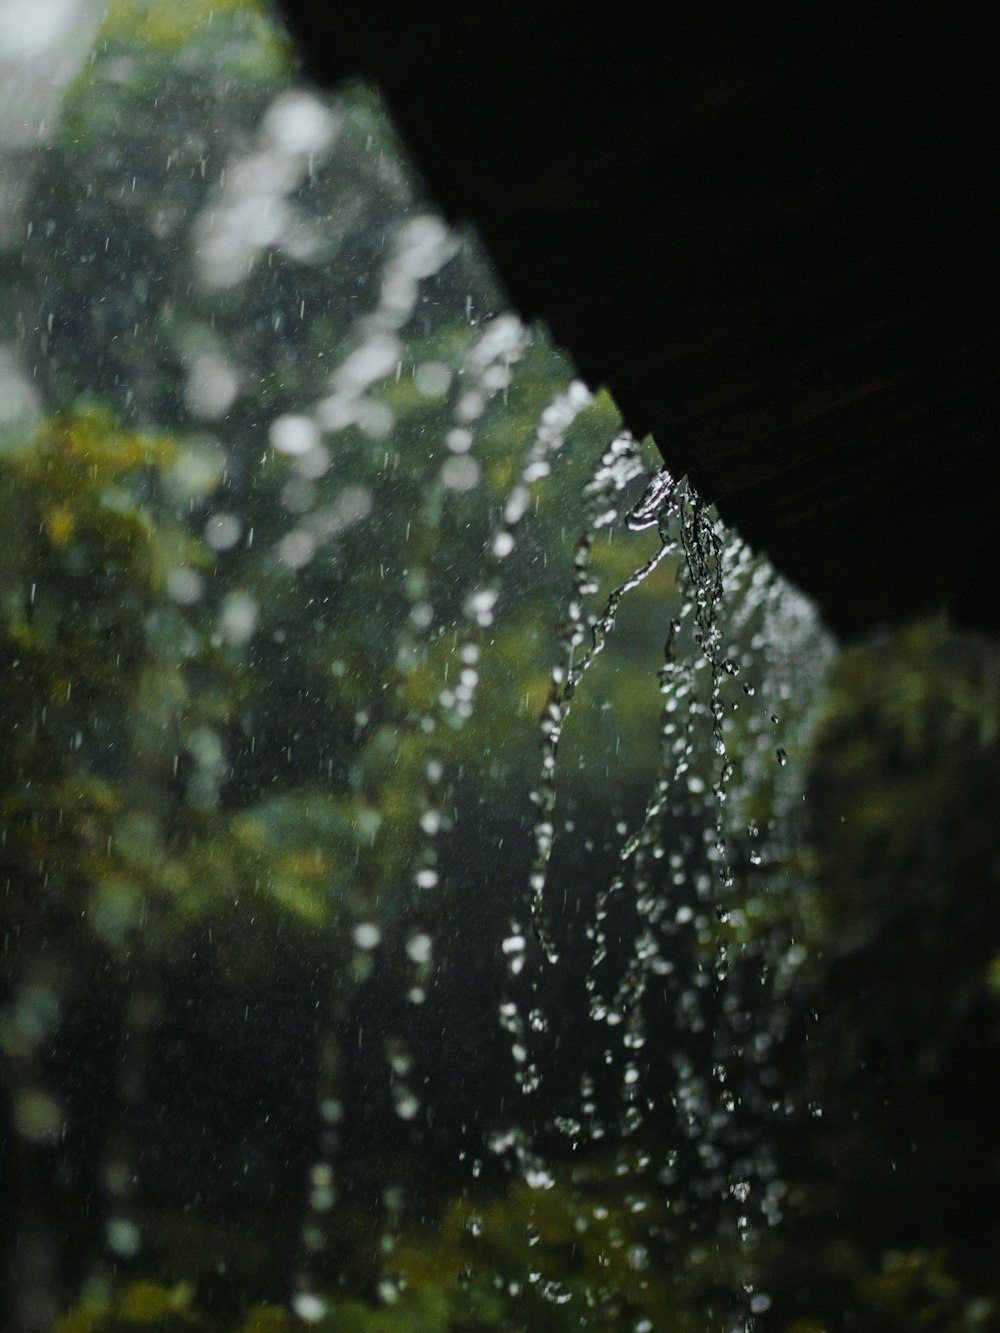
{"points": [[416, 892]]}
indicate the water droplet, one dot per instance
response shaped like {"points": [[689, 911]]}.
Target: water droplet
{"points": [[294, 434], [539, 1178], [419, 948], [367, 935], [123, 1237], [309, 1308]]}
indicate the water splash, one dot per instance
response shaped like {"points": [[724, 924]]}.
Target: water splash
{"points": [[619, 465]]}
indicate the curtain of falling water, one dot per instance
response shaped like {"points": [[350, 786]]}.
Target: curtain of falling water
{"points": [[431, 661], [673, 882]]}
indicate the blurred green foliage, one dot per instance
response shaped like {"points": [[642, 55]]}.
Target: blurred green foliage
{"points": [[893, 1047], [225, 768]]}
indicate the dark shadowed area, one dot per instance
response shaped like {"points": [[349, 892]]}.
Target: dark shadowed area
{"points": [[773, 238]]}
